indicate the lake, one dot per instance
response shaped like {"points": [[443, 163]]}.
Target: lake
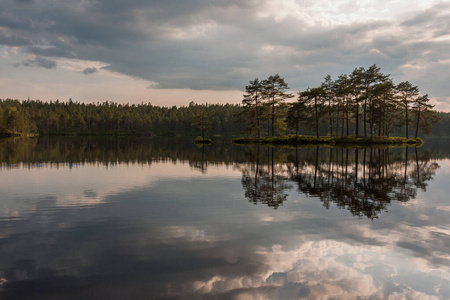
{"points": [[104, 218]]}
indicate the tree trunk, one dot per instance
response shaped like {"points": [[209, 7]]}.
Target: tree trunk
{"points": [[364, 120], [417, 122], [371, 120], [380, 124], [317, 117], [257, 117], [406, 116], [331, 117], [337, 120], [273, 116], [347, 118], [357, 120]]}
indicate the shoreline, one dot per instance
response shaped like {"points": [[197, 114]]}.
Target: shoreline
{"points": [[326, 140]]}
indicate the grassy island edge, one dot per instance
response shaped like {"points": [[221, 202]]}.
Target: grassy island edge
{"points": [[326, 140]]}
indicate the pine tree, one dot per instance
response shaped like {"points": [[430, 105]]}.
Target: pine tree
{"points": [[252, 104], [202, 122], [274, 94], [406, 94]]}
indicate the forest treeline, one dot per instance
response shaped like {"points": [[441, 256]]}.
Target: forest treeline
{"points": [[364, 103], [109, 118]]}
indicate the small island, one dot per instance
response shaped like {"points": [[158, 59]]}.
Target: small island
{"points": [[360, 109], [202, 140]]}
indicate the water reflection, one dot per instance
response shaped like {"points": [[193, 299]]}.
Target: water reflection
{"points": [[364, 181], [33, 152], [138, 219], [264, 183]]}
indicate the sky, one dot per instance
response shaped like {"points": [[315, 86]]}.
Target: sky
{"points": [[172, 52]]}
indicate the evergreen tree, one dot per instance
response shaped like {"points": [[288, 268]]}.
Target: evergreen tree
{"points": [[275, 95], [252, 105], [313, 101], [202, 122], [296, 115], [406, 94], [328, 100], [425, 116]]}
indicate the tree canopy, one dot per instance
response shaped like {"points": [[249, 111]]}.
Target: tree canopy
{"points": [[109, 118], [363, 103]]}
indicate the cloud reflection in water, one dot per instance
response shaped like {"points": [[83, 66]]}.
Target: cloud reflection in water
{"points": [[187, 234]]}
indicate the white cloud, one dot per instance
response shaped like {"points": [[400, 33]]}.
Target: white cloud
{"points": [[203, 45]]}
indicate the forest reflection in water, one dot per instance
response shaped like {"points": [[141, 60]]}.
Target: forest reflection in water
{"points": [[109, 151], [363, 180], [124, 218]]}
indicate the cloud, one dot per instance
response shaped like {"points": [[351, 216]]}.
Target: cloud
{"points": [[39, 62], [439, 13], [220, 45], [88, 71], [53, 51], [13, 41]]}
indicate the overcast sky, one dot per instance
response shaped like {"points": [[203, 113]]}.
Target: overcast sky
{"points": [[171, 52]]}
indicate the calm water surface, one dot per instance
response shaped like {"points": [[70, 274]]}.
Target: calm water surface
{"points": [[143, 219]]}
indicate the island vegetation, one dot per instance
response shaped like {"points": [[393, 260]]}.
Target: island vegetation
{"points": [[363, 107]]}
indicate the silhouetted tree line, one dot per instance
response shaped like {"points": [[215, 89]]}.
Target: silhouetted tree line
{"points": [[110, 118], [364, 103]]}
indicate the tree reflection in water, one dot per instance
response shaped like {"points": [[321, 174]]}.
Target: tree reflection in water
{"points": [[362, 180], [263, 183]]}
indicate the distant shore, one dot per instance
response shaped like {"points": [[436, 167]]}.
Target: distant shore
{"points": [[10, 134]]}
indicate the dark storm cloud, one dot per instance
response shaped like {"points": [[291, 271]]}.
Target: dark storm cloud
{"points": [[14, 41], [200, 44], [88, 71], [39, 62], [52, 51]]}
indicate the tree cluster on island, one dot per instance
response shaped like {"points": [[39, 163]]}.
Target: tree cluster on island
{"points": [[365, 103]]}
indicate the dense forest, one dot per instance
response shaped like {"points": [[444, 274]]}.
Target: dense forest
{"points": [[109, 118], [364, 103]]}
